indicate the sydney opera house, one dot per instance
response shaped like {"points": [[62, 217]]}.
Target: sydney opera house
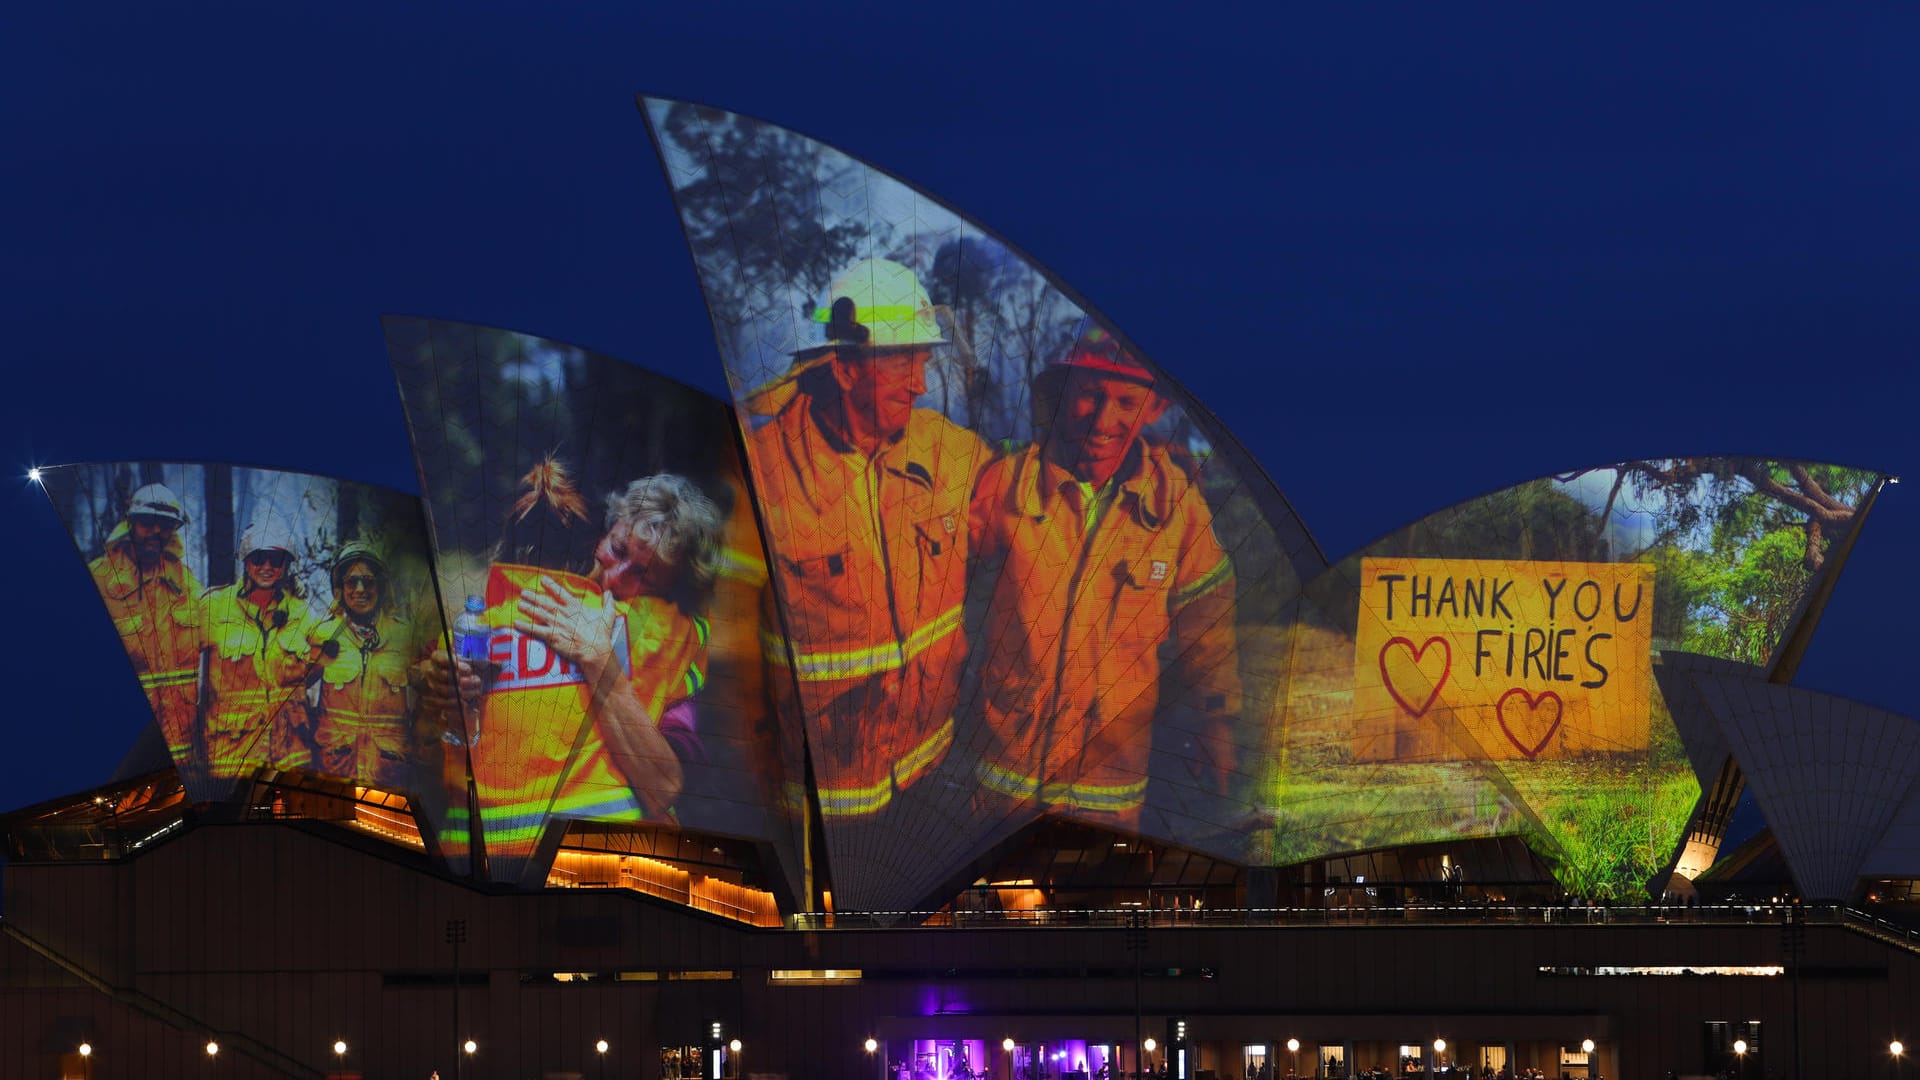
{"points": [[960, 699]]}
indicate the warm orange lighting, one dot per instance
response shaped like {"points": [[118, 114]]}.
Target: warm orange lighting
{"points": [[872, 1046]]}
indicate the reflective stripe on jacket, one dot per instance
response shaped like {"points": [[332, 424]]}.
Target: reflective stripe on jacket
{"points": [[869, 556]]}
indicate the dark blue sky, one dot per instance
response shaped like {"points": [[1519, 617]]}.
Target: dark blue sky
{"points": [[1409, 255]]}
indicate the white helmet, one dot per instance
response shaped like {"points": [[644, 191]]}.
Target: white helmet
{"points": [[156, 500], [270, 536], [875, 304]]}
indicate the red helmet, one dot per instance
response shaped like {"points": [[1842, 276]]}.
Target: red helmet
{"points": [[1097, 351]]}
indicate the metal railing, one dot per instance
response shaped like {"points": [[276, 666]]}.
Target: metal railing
{"points": [[1437, 914]]}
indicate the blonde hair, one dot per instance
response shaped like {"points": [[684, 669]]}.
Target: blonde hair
{"points": [[677, 520]]}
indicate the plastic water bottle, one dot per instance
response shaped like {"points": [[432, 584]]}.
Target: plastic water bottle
{"points": [[471, 635]]}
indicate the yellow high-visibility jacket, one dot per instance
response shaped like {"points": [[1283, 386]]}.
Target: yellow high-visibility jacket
{"points": [[869, 558]]}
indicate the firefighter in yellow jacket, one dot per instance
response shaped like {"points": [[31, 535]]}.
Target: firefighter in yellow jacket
{"points": [[154, 599], [252, 705], [1104, 602], [588, 710], [865, 499], [362, 723]]}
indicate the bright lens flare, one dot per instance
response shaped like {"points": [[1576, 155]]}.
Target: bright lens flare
{"points": [[33, 474]]}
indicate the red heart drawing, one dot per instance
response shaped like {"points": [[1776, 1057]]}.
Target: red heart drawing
{"points": [[1533, 710], [1446, 669]]}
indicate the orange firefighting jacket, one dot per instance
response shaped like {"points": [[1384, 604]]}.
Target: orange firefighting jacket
{"points": [[539, 754], [1088, 620], [363, 726], [253, 711], [869, 557], [156, 611]]}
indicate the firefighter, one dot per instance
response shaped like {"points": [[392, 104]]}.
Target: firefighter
{"points": [[1104, 601], [590, 711], [154, 599], [362, 723], [865, 502], [255, 661]]}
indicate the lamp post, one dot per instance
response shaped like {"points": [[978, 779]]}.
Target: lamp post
{"points": [[213, 1051], [456, 937], [1147, 1046], [1293, 1047], [873, 1044], [86, 1059], [733, 1049], [1895, 1048], [339, 1055], [601, 1049], [1740, 1053]]}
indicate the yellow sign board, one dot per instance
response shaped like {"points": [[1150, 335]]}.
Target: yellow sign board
{"points": [[1502, 660]]}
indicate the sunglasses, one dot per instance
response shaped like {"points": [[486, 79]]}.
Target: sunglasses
{"points": [[362, 581], [267, 558]]}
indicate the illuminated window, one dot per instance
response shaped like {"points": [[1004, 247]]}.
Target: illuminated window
{"points": [[814, 976]]}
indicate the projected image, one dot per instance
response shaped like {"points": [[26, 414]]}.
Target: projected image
{"points": [[275, 619], [602, 575], [1022, 572], [1489, 669]]}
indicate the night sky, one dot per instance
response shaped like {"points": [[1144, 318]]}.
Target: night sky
{"points": [[1530, 239]]}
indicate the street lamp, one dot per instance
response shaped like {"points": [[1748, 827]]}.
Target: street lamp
{"points": [[86, 1059], [213, 1048], [1147, 1047], [1896, 1048], [470, 1046], [873, 1044], [1740, 1052], [1293, 1047], [340, 1055], [601, 1049], [733, 1048]]}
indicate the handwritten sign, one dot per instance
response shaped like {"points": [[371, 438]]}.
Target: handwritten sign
{"points": [[1501, 659]]}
